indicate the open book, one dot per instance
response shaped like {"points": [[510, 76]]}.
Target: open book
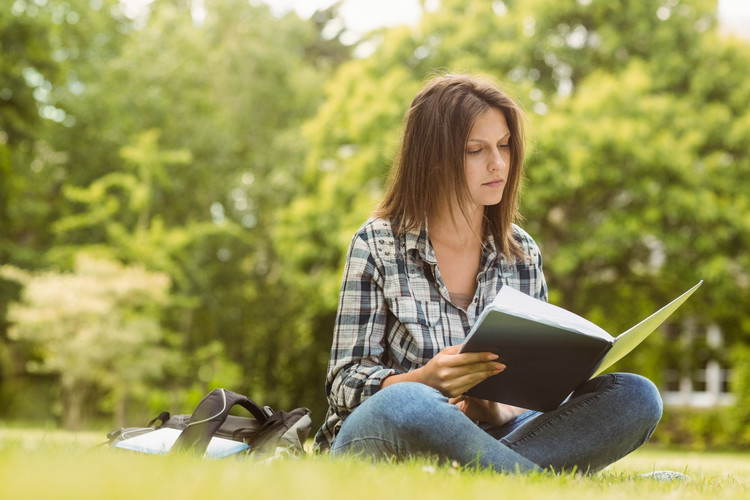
{"points": [[548, 351]]}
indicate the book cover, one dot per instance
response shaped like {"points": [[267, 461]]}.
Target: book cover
{"points": [[548, 351]]}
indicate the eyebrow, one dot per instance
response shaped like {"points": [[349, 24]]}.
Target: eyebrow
{"points": [[506, 136]]}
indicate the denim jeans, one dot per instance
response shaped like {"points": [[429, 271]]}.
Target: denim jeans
{"points": [[606, 418]]}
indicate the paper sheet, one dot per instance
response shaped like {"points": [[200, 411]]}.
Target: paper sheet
{"points": [[160, 441], [517, 303]]}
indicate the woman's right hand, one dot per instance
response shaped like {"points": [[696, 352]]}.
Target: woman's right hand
{"points": [[451, 372]]}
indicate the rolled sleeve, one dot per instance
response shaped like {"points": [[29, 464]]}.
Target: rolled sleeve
{"points": [[356, 369]]}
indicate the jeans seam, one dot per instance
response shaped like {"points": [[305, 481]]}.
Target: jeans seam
{"points": [[343, 448], [551, 421]]}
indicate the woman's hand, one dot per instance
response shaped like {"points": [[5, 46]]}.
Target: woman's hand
{"points": [[451, 372], [482, 410]]}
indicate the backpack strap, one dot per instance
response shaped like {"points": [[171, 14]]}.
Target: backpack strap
{"points": [[208, 416], [163, 417], [285, 430]]}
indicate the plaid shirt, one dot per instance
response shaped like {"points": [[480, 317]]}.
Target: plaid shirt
{"points": [[395, 313]]}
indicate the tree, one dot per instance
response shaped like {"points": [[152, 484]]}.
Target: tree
{"points": [[97, 329], [635, 175], [177, 145], [44, 45], [40, 42]]}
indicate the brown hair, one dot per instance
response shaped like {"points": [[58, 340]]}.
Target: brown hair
{"points": [[429, 169]]}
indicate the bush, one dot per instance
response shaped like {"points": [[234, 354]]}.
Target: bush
{"points": [[702, 429]]}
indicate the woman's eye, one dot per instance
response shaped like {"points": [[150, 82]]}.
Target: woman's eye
{"points": [[474, 151], [503, 145]]}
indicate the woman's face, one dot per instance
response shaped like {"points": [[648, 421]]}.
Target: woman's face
{"points": [[487, 158]]}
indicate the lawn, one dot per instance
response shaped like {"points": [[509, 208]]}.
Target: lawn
{"points": [[61, 465]]}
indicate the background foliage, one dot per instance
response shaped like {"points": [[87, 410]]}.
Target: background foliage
{"points": [[234, 152]]}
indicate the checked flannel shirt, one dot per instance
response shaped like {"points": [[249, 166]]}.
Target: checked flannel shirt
{"points": [[395, 313]]}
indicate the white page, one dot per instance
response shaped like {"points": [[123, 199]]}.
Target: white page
{"points": [[221, 447], [160, 441], [627, 341], [517, 303]]}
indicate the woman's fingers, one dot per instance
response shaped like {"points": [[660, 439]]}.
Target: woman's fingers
{"points": [[452, 357], [462, 383], [478, 370], [471, 362], [459, 380], [452, 372]]}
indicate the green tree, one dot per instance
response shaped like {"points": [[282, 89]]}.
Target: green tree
{"points": [[222, 89], [45, 45], [96, 329], [220, 95], [40, 42], [636, 173], [169, 140]]}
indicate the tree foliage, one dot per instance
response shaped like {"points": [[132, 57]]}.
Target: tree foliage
{"points": [[175, 156], [636, 172], [236, 151], [98, 329]]}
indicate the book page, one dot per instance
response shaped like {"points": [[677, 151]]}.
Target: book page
{"points": [[157, 442], [517, 303], [160, 441]]}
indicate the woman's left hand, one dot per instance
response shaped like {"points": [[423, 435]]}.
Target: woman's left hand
{"points": [[490, 412]]}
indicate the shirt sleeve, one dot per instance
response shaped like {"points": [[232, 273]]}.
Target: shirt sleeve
{"points": [[356, 368]]}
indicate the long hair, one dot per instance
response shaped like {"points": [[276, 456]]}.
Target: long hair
{"points": [[429, 169]]}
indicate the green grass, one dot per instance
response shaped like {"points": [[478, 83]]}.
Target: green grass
{"points": [[61, 465]]}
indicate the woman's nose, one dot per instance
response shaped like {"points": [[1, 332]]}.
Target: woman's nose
{"points": [[498, 160]]}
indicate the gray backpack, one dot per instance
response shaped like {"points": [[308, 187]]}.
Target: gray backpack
{"points": [[268, 432]]}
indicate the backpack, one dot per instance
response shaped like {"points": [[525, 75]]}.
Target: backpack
{"points": [[211, 431]]}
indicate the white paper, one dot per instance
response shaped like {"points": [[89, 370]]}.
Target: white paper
{"points": [[160, 441], [512, 301]]}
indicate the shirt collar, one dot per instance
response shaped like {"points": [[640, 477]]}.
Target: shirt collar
{"points": [[417, 240]]}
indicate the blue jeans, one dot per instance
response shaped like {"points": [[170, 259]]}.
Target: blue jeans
{"points": [[606, 418]]}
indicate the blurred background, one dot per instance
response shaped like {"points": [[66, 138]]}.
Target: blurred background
{"points": [[179, 181]]}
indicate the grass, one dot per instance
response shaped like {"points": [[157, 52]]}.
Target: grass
{"points": [[61, 465]]}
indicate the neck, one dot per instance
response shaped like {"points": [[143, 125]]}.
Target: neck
{"points": [[458, 231]]}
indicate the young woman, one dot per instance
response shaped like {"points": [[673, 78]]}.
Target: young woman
{"points": [[419, 273]]}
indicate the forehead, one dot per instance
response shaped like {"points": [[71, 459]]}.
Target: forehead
{"points": [[491, 124]]}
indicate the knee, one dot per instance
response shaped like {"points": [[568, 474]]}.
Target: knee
{"points": [[641, 396], [406, 407], [393, 417], [406, 401]]}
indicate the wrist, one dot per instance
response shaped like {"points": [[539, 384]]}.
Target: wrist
{"points": [[412, 376]]}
